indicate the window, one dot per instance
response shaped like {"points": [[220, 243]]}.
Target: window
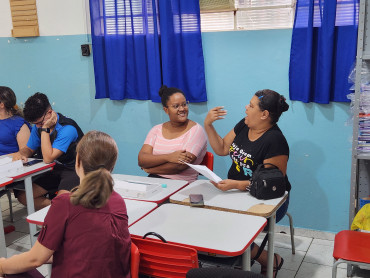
{"points": [[230, 15]]}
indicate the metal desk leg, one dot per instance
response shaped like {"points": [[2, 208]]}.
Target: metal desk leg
{"points": [[30, 206], [270, 260], [2, 238], [246, 259]]}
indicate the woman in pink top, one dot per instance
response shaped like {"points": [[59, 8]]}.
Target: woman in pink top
{"points": [[85, 233], [169, 145]]}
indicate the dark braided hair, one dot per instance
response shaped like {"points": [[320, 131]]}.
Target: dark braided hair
{"points": [[273, 102], [9, 99], [165, 93]]}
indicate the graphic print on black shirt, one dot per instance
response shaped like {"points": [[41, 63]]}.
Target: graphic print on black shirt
{"points": [[243, 161], [247, 155]]}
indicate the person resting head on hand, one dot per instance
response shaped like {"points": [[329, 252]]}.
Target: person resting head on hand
{"points": [[85, 233], [14, 130], [255, 140], [168, 145]]}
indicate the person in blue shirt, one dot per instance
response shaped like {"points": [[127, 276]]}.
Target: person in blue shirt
{"points": [[14, 130], [54, 138]]}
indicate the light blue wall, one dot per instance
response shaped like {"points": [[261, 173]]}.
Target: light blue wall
{"points": [[237, 64]]}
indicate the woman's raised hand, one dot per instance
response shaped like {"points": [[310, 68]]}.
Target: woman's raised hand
{"points": [[215, 114]]}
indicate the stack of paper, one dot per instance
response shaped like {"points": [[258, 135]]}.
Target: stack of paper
{"points": [[136, 189], [9, 168]]}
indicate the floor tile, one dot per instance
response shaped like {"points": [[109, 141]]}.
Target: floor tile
{"points": [[323, 242], [283, 241], [12, 237], [283, 273], [15, 248], [309, 270], [26, 239], [291, 262], [319, 254]]}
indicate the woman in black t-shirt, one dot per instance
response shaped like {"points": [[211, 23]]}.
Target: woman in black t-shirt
{"points": [[256, 139]]}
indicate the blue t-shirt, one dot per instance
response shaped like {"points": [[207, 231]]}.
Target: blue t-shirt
{"points": [[9, 129], [65, 136]]}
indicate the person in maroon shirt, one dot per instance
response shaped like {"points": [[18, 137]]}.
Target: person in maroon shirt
{"points": [[85, 233]]}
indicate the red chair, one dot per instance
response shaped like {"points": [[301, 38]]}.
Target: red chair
{"points": [[162, 259], [135, 261], [208, 160], [352, 248]]}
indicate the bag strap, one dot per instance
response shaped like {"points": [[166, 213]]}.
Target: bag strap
{"points": [[262, 246], [155, 234], [264, 164]]}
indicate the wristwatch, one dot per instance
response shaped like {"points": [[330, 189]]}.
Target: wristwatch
{"points": [[46, 129]]}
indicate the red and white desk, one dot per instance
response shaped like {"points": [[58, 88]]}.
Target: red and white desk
{"points": [[205, 230], [26, 174], [235, 201], [3, 182], [135, 211]]}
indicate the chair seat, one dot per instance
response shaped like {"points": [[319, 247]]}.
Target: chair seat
{"points": [[352, 246]]}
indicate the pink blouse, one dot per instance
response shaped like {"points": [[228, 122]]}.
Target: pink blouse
{"points": [[193, 141]]}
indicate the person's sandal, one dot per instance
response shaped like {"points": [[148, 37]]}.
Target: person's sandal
{"points": [[276, 268]]}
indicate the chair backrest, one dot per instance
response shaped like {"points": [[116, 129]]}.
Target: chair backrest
{"points": [[208, 160], [159, 259], [135, 261]]}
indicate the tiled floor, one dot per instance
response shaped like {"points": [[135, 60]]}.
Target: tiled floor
{"points": [[313, 258]]}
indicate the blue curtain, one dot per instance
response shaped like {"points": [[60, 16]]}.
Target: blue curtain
{"points": [[138, 45], [323, 49]]}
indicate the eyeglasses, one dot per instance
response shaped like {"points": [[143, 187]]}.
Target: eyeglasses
{"points": [[42, 121], [183, 105]]}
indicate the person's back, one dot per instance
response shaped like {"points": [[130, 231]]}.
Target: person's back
{"points": [[85, 233], [95, 242]]}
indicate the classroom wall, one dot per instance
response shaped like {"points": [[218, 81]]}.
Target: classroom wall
{"points": [[237, 64]]}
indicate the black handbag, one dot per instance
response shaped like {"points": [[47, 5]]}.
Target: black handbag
{"points": [[267, 183]]}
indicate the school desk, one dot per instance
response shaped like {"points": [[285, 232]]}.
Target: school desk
{"points": [[3, 182], [135, 211], [26, 173], [235, 201], [167, 187], [205, 230]]}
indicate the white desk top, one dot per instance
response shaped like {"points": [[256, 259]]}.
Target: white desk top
{"points": [[205, 230], [233, 200], [33, 169], [135, 211], [5, 181], [172, 186]]}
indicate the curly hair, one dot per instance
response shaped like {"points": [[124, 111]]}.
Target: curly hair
{"points": [[166, 92]]}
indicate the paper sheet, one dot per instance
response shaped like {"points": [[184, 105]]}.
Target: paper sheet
{"points": [[10, 169], [205, 172], [5, 160], [135, 189]]}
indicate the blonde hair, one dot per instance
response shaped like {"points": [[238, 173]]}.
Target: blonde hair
{"points": [[97, 153]]}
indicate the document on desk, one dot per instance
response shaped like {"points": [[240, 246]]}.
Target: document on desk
{"points": [[205, 172], [10, 169], [137, 189], [5, 160]]}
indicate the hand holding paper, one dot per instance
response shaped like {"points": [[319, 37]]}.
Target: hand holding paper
{"points": [[205, 172]]}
